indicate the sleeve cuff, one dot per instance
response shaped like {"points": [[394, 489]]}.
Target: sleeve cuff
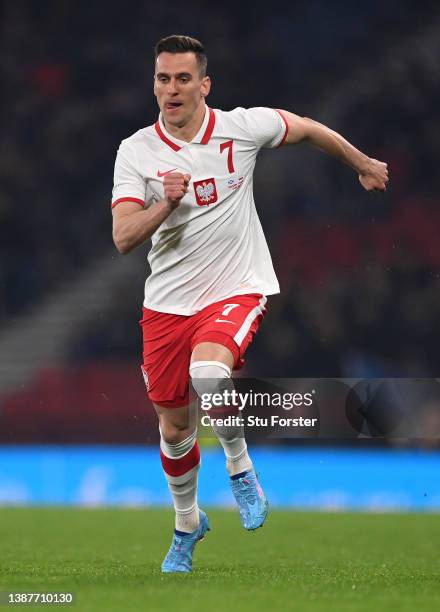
{"points": [[286, 131], [128, 199]]}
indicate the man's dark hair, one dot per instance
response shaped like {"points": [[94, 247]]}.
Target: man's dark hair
{"points": [[183, 44]]}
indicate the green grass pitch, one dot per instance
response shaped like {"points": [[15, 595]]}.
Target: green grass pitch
{"points": [[111, 558]]}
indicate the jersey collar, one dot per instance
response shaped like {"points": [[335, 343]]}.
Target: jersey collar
{"points": [[203, 136]]}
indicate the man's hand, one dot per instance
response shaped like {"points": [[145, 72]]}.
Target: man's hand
{"points": [[133, 225], [375, 176], [175, 185]]}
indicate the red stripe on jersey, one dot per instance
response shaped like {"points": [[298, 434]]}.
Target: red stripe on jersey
{"points": [[181, 465], [128, 199], [166, 140], [209, 128], [287, 127]]}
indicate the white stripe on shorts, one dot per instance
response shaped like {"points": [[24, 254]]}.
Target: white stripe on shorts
{"points": [[254, 313]]}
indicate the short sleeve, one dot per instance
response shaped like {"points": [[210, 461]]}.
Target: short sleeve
{"points": [[267, 126], [128, 184]]}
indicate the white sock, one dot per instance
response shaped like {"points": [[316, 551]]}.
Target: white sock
{"points": [[181, 464], [213, 377], [237, 456], [184, 493]]}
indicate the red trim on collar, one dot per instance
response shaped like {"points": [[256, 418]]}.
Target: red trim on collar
{"points": [[209, 128], [205, 138], [166, 140]]}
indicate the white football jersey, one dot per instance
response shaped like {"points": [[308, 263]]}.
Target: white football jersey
{"points": [[212, 246]]}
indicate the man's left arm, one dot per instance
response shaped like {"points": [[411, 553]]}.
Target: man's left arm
{"points": [[373, 174]]}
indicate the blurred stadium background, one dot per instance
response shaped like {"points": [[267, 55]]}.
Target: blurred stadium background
{"points": [[359, 272]]}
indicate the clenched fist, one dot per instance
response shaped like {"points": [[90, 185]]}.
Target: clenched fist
{"points": [[375, 176], [175, 186]]}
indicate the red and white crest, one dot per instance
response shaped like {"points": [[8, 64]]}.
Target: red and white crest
{"points": [[206, 192]]}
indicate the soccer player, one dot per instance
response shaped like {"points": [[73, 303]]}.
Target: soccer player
{"points": [[186, 183]]}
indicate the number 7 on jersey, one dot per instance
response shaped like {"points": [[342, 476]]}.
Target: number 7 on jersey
{"points": [[228, 145]]}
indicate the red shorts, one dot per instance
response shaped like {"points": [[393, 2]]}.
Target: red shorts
{"points": [[169, 340]]}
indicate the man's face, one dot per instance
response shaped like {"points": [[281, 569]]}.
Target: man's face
{"points": [[179, 87]]}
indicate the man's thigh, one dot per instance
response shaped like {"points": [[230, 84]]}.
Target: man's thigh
{"points": [[211, 351], [166, 358], [225, 329], [220, 332]]}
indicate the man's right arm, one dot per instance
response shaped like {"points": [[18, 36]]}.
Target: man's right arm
{"points": [[132, 227]]}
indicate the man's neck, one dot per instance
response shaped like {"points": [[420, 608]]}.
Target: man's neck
{"points": [[188, 131]]}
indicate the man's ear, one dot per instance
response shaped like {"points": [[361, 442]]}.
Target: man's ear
{"points": [[206, 86]]}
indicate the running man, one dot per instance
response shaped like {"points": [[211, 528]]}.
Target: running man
{"points": [[186, 183]]}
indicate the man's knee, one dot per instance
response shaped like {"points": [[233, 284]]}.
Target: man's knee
{"points": [[175, 424], [209, 377], [173, 433]]}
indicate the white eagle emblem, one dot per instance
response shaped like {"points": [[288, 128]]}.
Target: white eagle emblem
{"points": [[205, 191]]}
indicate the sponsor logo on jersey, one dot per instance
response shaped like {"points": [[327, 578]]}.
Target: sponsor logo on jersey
{"points": [[160, 174], [235, 183], [206, 192]]}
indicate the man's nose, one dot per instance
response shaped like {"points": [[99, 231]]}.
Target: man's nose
{"points": [[172, 86]]}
